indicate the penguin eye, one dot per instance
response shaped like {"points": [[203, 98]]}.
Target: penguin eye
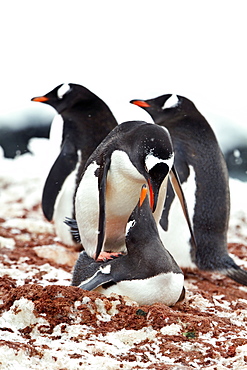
{"points": [[64, 89]]}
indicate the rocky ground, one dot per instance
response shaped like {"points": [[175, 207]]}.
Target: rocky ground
{"points": [[47, 324]]}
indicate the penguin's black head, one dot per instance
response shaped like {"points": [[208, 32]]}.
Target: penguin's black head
{"points": [[66, 96], [154, 157], [161, 106]]}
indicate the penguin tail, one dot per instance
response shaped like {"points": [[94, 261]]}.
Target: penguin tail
{"points": [[237, 274], [73, 228]]}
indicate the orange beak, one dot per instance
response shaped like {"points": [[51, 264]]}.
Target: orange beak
{"points": [[140, 103], [40, 99], [151, 194], [143, 195]]}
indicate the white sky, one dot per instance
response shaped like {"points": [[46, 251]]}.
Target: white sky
{"points": [[123, 50]]}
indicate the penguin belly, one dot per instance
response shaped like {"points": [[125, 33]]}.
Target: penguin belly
{"points": [[64, 208], [124, 179], [122, 193], [163, 288], [87, 208], [177, 237]]}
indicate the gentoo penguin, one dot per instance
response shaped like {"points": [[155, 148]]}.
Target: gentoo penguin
{"points": [[86, 122], [203, 173], [134, 153], [146, 274]]}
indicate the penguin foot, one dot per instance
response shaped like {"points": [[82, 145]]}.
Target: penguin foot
{"points": [[237, 274], [117, 255], [106, 256], [226, 266]]}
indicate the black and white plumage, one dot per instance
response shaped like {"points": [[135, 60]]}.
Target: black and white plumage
{"points": [[133, 153], [146, 274], [86, 120], [203, 174]]}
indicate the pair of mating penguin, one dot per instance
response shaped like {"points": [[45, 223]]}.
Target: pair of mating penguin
{"points": [[98, 178]]}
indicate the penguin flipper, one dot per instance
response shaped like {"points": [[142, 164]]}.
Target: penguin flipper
{"points": [[62, 167], [95, 281], [89, 274], [179, 191], [237, 274], [102, 180]]}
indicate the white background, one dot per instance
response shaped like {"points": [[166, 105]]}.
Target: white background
{"points": [[123, 50]]}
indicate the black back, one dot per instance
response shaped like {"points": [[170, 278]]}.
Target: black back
{"points": [[87, 120], [195, 145]]}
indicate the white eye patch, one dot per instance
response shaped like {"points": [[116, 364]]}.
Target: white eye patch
{"points": [[151, 161], [171, 102], [62, 90], [105, 269], [128, 226]]}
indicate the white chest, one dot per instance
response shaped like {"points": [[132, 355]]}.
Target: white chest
{"points": [[64, 207], [124, 182], [163, 288], [122, 193]]}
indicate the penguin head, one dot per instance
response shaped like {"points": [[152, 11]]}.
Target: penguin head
{"points": [[141, 223], [153, 156], [161, 106], [66, 96]]}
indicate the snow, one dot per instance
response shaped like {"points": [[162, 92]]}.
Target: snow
{"points": [[23, 178]]}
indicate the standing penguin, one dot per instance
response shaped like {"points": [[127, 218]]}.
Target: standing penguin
{"points": [[147, 273], [203, 173], [86, 122], [133, 153]]}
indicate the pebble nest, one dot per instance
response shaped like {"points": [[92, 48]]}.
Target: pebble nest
{"points": [[47, 324]]}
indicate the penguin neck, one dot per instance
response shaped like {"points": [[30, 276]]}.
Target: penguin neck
{"points": [[183, 120], [96, 119], [196, 129], [122, 168], [86, 108], [137, 239], [122, 175]]}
